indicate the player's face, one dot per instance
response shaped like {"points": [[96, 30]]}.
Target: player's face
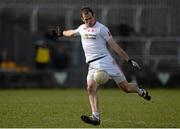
{"points": [[88, 19]]}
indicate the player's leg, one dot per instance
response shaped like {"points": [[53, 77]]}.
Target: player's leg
{"points": [[120, 79], [128, 87], [133, 88], [93, 100]]}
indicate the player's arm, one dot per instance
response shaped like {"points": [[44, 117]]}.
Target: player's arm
{"points": [[118, 49], [122, 53], [57, 31], [68, 33]]}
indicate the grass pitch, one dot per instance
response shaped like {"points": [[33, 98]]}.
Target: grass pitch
{"points": [[59, 108]]}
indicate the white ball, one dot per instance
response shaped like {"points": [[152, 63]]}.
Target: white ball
{"points": [[101, 77]]}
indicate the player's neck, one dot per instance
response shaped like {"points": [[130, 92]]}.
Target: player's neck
{"points": [[92, 24]]}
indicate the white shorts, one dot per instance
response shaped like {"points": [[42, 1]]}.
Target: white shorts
{"points": [[109, 65]]}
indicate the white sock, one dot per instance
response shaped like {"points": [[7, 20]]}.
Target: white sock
{"points": [[96, 114], [141, 91]]}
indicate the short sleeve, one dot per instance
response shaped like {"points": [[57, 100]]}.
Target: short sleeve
{"points": [[105, 33], [77, 31]]}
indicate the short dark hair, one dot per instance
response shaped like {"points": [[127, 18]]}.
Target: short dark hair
{"points": [[86, 10]]}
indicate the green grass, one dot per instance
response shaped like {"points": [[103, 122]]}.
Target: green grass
{"points": [[60, 108]]}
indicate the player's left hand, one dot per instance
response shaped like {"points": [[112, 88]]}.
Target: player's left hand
{"points": [[134, 64]]}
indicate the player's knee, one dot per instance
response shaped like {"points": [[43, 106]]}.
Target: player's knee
{"points": [[90, 89], [125, 87]]}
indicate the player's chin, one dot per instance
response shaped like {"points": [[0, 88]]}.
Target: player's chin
{"points": [[89, 25]]}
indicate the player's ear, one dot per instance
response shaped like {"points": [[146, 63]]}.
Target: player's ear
{"points": [[82, 19]]}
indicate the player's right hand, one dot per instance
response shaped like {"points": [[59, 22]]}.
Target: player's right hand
{"points": [[54, 32]]}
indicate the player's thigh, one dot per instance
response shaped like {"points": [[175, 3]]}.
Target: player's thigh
{"points": [[120, 80], [90, 79], [91, 83], [90, 75]]}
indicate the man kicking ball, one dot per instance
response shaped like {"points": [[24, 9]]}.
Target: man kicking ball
{"points": [[94, 37]]}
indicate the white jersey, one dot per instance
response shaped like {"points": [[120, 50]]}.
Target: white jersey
{"points": [[94, 40]]}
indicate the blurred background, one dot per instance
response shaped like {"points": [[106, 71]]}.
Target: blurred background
{"points": [[148, 30]]}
